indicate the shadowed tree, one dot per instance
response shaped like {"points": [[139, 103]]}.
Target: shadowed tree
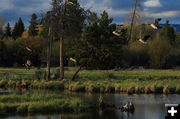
{"points": [[18, 29], [168, 33], [33, 26], [99, 48], [8, 31], [69, 19], [15, 31], [2, 22]]}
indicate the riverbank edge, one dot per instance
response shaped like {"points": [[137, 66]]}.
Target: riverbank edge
{"points": [[107, 86]]}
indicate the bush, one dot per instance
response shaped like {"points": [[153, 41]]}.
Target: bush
{"points": [[173, 59], [159, 49], [135, 54]]}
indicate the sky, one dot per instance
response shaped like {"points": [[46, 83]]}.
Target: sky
{"points": [[117, 9]]}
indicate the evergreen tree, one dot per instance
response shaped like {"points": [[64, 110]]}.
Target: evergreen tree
{"points": [[1, 33], [168, 33], [8, 31], [15, 31], [99, 48], [18, 29], [33, 26], [2, 22]]}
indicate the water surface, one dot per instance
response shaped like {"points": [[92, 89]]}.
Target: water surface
{"points": [[146, 106]]}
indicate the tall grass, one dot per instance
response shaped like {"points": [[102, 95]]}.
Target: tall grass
{"points": [[40, 103], [133, 81]]}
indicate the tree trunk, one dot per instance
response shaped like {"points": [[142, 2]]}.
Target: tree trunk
{"points": [[61, 57], [49, 54], [62, 44], [76, 73], [48, 63], [132, 22]]}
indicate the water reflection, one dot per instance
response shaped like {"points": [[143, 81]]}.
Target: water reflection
{"points": [[146, 106]]}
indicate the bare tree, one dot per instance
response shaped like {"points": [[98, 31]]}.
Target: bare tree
{"points": [[137, 17]]}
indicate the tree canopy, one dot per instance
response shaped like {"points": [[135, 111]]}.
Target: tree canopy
{"points": [[33, 25]]}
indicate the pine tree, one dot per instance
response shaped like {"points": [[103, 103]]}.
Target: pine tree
{"points": [[99, 48], [8, 31], [33, 26], [20, 27], [168, 33], [15, 31]]}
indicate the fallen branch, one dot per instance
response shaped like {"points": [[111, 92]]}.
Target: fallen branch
{"points": [[76, 73]]}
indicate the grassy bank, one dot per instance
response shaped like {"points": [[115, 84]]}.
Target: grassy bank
{"points": [[21, 73], [132, 81], [129, 86], [40, 103]]}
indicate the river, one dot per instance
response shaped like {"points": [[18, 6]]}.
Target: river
{"points": [[146, 107]]}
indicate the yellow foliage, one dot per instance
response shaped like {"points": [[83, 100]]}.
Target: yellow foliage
{"points": [[25, 34]]}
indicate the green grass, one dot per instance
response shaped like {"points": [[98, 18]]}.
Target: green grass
{"points": [[40, 103], [132, 81], [21, 73]]}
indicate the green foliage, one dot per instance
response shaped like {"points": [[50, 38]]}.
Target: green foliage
{"points": [[135, 55], [99, 48], [168, 33], [8, 31], [33, 25], [17, 49], [3, 51], [177, 45], [15, 31], [173, 59], [2, 22], [18, 29], [159, 49]]}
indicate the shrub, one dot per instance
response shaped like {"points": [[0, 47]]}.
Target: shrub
{"points": [[159, 54], [136, 54]]}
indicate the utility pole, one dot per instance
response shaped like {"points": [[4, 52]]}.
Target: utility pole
{"points": [[132, 21]]}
